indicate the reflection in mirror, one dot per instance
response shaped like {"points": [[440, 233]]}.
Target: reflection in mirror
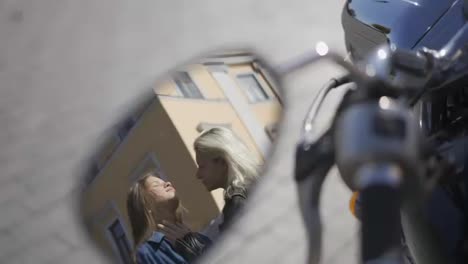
{"points": [[169, 179]]}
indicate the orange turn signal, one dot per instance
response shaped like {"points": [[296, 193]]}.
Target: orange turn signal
{"points": [[352, 203]]}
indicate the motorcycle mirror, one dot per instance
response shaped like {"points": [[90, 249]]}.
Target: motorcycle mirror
{"points": [[146, 168]]}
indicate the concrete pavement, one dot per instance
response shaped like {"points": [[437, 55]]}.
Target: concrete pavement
{"points": [[67, 68]]}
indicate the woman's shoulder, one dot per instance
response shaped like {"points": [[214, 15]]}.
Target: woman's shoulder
{"points": [[155, 239], [151, 246], [235, 199], [237, 194], [157, 249], [212, 229]]}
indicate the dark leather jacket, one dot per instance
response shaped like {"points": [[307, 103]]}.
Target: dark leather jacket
{"points": [[232, 207], [192, 246]]}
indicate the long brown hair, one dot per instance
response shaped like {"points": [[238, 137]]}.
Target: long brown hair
{"points": [[139, 205]]}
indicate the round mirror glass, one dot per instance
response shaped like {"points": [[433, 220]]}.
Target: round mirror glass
{"points": [[175, 171]]}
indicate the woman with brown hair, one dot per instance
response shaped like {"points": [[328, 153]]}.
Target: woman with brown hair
{"points": [[156, 219]]}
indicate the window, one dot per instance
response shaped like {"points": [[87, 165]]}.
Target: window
{"points": [[120, 240], [185, 86], [252, 87]]}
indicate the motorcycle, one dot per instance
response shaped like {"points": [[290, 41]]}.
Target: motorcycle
{"points": [[398, 139]]}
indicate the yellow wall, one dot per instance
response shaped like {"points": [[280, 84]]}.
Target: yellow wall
{"points": [[153, 133], [267, 112], [98, 230], [166, 87], [201, 77], [205, 82], [187, 114]]}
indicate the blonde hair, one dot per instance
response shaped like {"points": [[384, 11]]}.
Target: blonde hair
{"points": [[139, 208], [243, 166]]}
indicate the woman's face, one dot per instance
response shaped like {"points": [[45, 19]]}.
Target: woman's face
{"points": [[211, 171], [160, 190]]}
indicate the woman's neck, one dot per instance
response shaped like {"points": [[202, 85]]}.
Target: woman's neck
{"points": [[166, 215], [170, 218]]}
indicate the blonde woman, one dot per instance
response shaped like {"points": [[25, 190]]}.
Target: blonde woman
{"points": [[156, 219], [225, 162]]}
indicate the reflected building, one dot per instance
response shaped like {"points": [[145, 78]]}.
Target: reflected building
{"points": [[229, 90]]}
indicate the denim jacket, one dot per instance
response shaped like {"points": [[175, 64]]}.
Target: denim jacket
{"points": [[157, 250]]}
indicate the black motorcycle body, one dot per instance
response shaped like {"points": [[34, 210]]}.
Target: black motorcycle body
{"points": [[442, 114]]}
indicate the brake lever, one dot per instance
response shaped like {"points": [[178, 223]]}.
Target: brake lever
{"points": [[313, 162], [310, 157]]}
